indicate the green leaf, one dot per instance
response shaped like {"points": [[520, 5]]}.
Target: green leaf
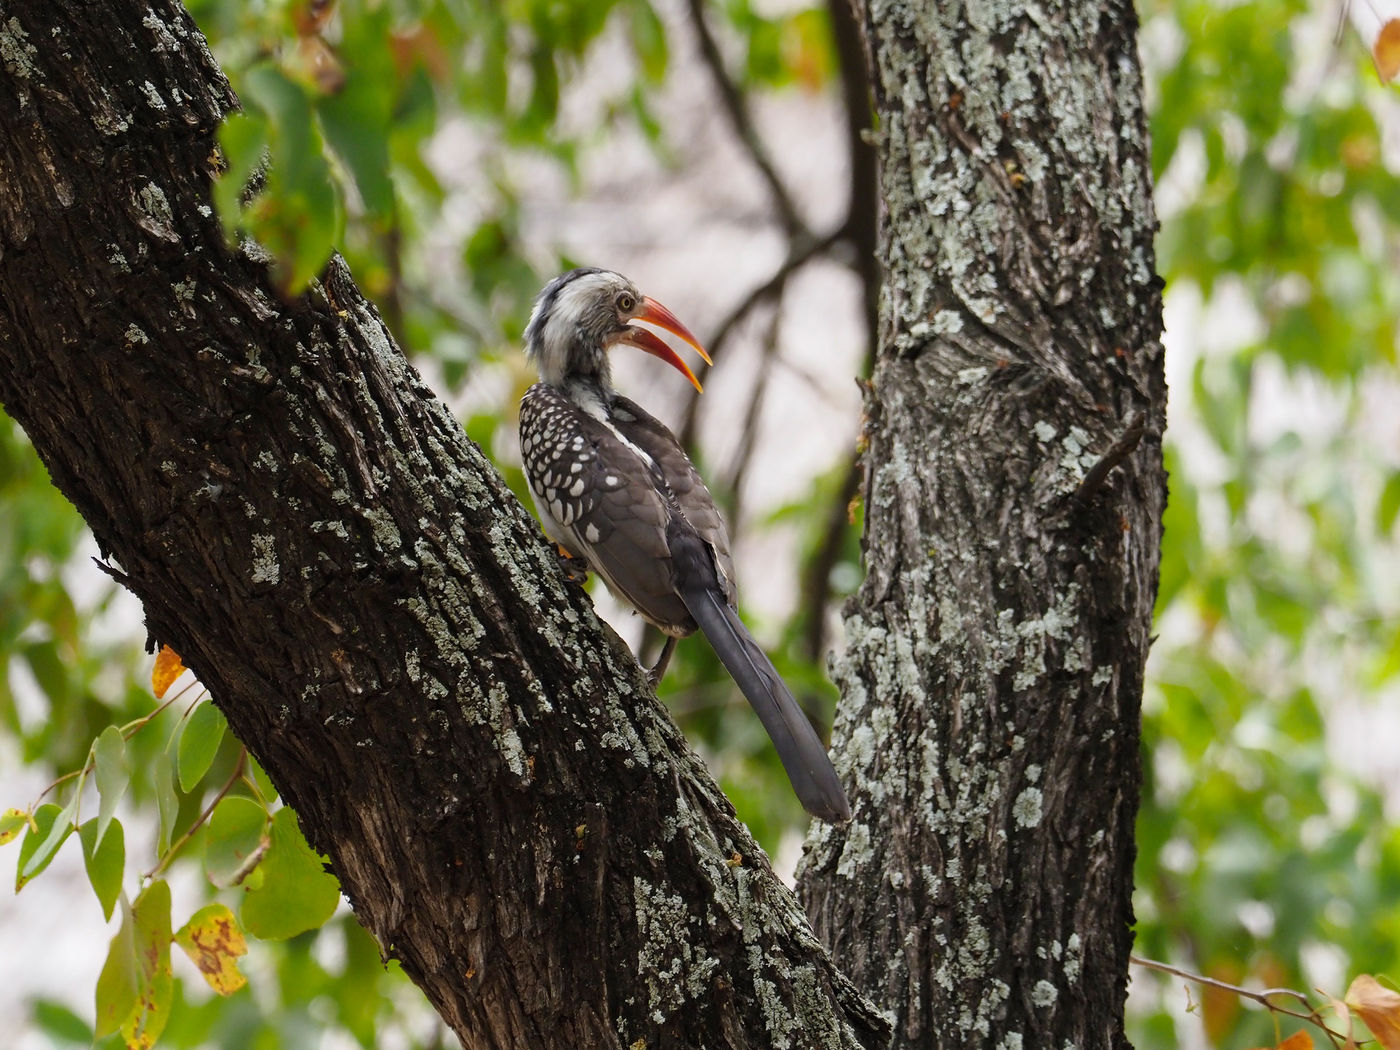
{"points": [[297, 894], [52, 826], [362, 143], [51, 670], [298, 217], [113, 775], [649, 41], [12, 822], [357, 120], [1388, 508], [235, 841], [243, 142], [262, 780], [60, 1023], [199, 743], [117, 983], [167, 803], [105, 861], [155, 985]]}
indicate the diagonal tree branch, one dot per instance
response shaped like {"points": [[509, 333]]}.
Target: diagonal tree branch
{"points": [[511, 813]]}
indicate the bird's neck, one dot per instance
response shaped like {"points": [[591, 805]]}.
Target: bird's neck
{"points": [[593, 394]]}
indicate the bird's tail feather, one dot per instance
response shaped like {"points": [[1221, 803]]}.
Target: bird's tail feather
{"points": [[799, 748]]}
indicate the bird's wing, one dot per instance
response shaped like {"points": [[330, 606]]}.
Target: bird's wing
{"points": [[651, 435], [605, 501]]}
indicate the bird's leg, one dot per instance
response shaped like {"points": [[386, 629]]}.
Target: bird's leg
{"points": [[659, 668], [575, 568]]}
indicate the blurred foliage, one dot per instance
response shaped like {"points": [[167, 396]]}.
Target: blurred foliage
{"points": [[1265, 853]]}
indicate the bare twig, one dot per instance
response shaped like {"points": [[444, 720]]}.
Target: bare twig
{"points": [[179, 844], [863, 201], [1264, 997], [802, 251], [734, 480], [741, 120]]}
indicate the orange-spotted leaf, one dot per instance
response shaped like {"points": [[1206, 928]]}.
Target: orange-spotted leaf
{"points": [[1379, 1007], [12, 822], [168, 668], [214, 942], [1386, 51], [155, 989]]}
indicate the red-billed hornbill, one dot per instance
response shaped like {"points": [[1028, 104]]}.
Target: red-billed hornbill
{"points": [[615, 490]]}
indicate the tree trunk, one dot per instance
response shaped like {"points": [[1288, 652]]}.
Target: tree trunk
{"points": [[508, 808], [1014, 491]]}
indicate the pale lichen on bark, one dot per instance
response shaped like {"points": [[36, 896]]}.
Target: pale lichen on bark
{"points": [[1019, 332], [371, 608]]}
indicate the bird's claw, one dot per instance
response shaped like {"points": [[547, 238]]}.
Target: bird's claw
{"points": [[658, 669], [575, 568]]}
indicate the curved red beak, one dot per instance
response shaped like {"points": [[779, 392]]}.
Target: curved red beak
{"points": [[654, 313]]}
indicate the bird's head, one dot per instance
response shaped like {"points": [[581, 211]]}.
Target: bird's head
{"points": [[582, 314]]}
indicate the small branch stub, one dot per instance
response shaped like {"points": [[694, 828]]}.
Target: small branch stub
{"points": [[1121, 450]]}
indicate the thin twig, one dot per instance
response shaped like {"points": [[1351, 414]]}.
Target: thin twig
{"points": [[802, 251], [128, 731], [179, 844], [1262, 997], [741, 120], [816, 575], [862, 205], [738, 468]]}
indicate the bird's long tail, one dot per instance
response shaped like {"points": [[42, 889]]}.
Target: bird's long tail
{"points": [[804, 757]]}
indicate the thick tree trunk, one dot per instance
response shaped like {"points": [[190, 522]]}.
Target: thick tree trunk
{"points": [[994, 667], [508, 808]]}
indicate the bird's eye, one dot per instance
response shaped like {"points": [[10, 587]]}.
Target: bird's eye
{"points": [[626, 302]]}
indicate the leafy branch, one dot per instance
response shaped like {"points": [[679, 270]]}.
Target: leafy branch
{"points": [[1378, 1005]]}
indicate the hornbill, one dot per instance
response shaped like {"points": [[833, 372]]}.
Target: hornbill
{"points": [[616, 492]]}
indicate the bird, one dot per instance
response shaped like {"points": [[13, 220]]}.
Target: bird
{"points": [[618, 495]]}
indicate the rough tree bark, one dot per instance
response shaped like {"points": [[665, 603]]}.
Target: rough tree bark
{"points": [[1014, 491], [507, 807]]}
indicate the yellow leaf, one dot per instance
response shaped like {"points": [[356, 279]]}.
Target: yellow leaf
{"points": [[168, 668], [214, 942], [12, 822], [1387, 50], [1379, 1007]]}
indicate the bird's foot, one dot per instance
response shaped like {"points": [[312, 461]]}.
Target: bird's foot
{"points": [[575, 568], [659, 668]]}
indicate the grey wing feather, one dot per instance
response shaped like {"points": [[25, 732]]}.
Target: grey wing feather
{"points": [[652, 436]]}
